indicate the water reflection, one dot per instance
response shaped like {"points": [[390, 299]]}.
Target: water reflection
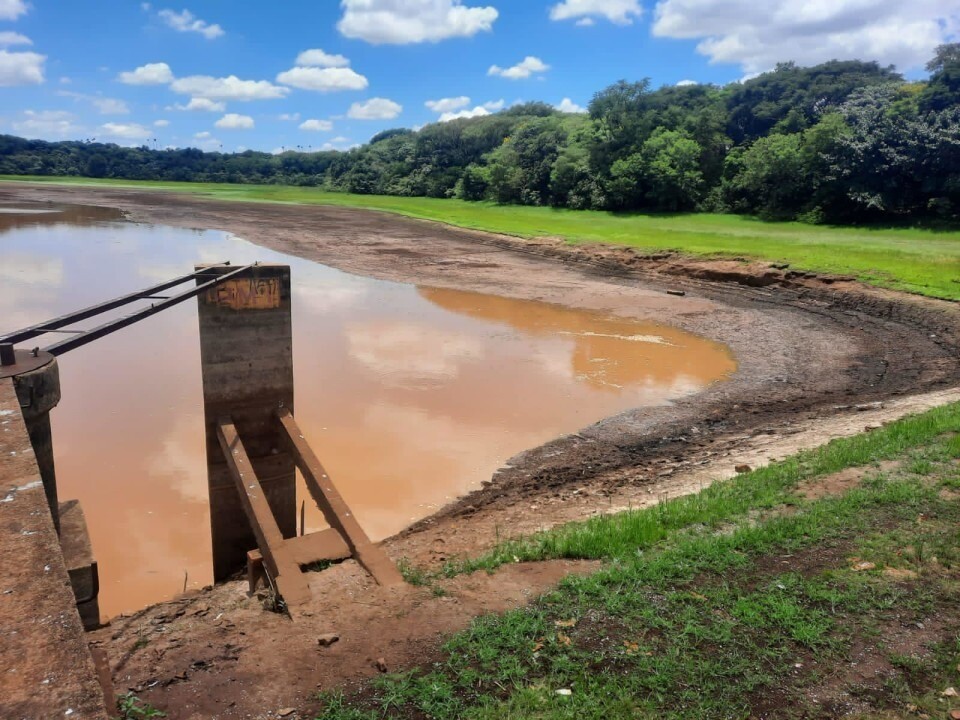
{"points": [[410, 396]]}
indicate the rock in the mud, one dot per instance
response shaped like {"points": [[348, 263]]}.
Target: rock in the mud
{"points": [[327, 639], [743, 469], [678, 293], [286, 712], [868, 406], [381, 665]]}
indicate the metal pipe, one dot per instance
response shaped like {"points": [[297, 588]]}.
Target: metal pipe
{"points": [[82, 339], [34, 330]]}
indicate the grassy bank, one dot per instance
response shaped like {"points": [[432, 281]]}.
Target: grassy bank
{"points": [[821, 586], [915, 260]]}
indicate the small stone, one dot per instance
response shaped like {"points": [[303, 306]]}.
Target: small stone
{"points": [[950, 692], [955, 715], [678, 293], [327, 639], [862, 566], [743, 469], [381, 665], [868, 406], [565, 692], [285, 712], [871, 427]]}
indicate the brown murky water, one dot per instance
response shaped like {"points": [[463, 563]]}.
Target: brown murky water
{"points": [[411, 396]]}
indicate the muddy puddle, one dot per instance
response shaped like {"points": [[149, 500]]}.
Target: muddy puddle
{"points": [[410, 395]]}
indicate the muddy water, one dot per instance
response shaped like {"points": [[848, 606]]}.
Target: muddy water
{"points": [[411, 396]]}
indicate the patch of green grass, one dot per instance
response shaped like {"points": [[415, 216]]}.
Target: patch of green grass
{"points": [[736, 603], [131, 707], [923, 261]]}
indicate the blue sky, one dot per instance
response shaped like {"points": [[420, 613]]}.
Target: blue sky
{"points": [[327, 74]]}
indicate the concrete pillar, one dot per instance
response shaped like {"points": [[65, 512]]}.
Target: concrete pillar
{"points": [[246, 355], [38, 390]]}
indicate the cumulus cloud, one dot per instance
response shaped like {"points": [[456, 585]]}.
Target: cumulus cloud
{"points": [[524, 69], [399, 22], [7, 39], [375, 109], [47, 124], [478, 111], [448, 104], [104, 105], [317, 125], [620, 12], [323, 79], [685, 83], [756, 36], [457, 110], [569, 106], [202, 105], [233, 121], [21, 68], [12, 9], [186, 21], [228, 88], [319, 58], [125, 131], [149, 74]]}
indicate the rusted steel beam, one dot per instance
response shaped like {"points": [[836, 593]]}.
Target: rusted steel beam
{"points": [[50, 325], [333, 506], [279, 560], [88, 336]]}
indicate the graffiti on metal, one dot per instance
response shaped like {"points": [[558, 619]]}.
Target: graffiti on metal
{"points": [[246, 294]]}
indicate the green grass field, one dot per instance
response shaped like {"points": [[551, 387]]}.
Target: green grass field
{"points": [[754, 598], [923, 261]]}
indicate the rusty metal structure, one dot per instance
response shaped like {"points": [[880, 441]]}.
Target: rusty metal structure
{"points": [[246, 357]]}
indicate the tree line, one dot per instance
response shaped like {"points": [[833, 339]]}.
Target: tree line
{"points": [[845, 141]]}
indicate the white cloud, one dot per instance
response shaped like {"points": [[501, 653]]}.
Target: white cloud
{"points": [[8, 38], [569, 106], [621, 12], [47, 124], [149, 74], [228, 88], [104, 105], [399, 22], [161, 123], [478, 111], [126, 131], [319, 58], [685, 83], [206, 141], [524, 69], [756, 36], [21, 68], [233, 121], [186, 21], [317, 125], [448, 104], [375, 109], [289, 117], [12, 9], [328, 79], [201, 104]]}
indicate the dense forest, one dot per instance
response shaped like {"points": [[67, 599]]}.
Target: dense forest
{"points": [[844, 141]]}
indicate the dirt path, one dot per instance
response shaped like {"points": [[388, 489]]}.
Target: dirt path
{"points": [[805, 345]]}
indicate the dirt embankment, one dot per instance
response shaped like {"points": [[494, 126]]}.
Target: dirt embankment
{"points": [[809, 349]]}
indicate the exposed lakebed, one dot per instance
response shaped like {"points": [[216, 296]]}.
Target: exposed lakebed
{"points": [[411, 395]]}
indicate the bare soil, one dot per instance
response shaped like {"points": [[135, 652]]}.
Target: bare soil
{"points": [[813, 353]]}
